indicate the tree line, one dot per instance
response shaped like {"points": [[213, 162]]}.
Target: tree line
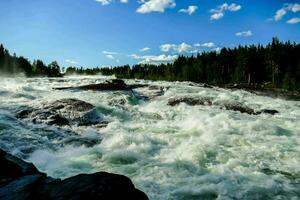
{"points": [[276, 64], [11, 65]]}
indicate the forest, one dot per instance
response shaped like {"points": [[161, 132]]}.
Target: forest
{"points": [[11, 65], [276, 64]]}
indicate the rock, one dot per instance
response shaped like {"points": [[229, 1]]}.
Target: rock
{"points": [[63, 112], [240, 108], [100, 185], [204, 101], [113, 85], [13, 168], [267, 111], [190, 101], [20, 180]]}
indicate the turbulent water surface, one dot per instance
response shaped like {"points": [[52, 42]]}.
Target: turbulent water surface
{"points": [[170, 152]]}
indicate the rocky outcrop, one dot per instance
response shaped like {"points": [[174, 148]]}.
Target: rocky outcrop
{"points": [[20, 180], [113, 85], [63, 112], [192, 101]]}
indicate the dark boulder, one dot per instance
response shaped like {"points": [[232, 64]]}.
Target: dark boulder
{"points": [[267, 111], [63, 112], [13, 168], [205, 101], [20, 180], [240, 108], [100, 185], [190, 101]]}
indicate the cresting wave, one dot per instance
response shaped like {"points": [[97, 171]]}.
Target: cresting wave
{"points": [[170, 152]]}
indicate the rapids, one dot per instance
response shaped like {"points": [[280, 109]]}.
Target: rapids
{"points": [[170, 152]]}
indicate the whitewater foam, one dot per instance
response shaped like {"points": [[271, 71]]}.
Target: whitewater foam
{"points": [[179, 152]]}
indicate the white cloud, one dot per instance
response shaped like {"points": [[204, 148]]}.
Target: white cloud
{"points": [[244, 33], [109, 56], [155, 59], [155, 6], [218, 49], [184, 48], [190, 10], [144, 49], [219, 12], [167, 47], [109, 52], [106, 2], [71, 61], [207, 44], [279, 14], [181, 48], [234, 7], [287, 7], [294, 20], [217, 16]]}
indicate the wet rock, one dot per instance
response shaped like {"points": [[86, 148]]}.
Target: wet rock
{"points": [[100, 185], [240, 108], [13, 168], [63, 112], [20, 180], [23, 113], [190, 101], [267, 111], [152, 91], [205, 101], [113, 85]]}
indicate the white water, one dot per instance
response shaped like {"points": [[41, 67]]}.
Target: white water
{"points": [[181, 152]]}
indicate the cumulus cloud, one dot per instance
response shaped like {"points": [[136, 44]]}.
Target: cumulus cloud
{"points": [[144, 49], [155, 6], [219, 12], [190, 10], [244, 33], [294, 20], [150, 59], [73, 62], [181, 48], [207, 44], [287, 7]]}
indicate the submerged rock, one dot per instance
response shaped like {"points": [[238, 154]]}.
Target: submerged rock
{"points": [[205, 101], [21, 180], [63, 112]]}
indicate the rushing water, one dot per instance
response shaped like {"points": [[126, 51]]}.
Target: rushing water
{"points": [[180, 152]]}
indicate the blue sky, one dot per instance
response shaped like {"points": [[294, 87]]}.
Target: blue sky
{"points": [[94, 33]]}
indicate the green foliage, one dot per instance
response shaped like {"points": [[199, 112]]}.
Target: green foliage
{"points": [[13, 65]]}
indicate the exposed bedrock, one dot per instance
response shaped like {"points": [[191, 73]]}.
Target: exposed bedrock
{"points": [[63, 112], [205, 101], [20, 180]]}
